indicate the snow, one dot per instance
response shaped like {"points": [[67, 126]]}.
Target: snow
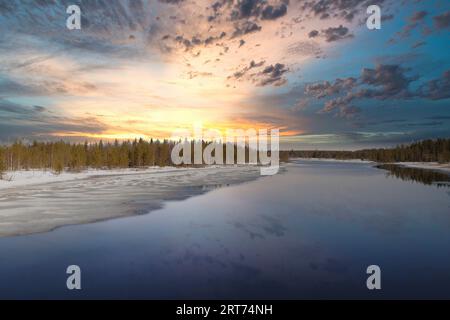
{"points": [[426, 165], [23, 178], [37, 201], [334, 160], [419, 165]]}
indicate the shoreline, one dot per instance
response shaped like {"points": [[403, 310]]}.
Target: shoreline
{"points": [[334, 160], [32, 177], [91, 197], [443, 167]]}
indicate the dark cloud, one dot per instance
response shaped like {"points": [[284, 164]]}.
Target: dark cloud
{"points": [[39, 108], [442, 21], [416, 20], [313, 33], [196, 40], [270, 75], [334, 34], [441, 117], [418, 44], [247, 8], [171, 1], [7, 7], [418, 16], [10, 107], [239, 74], [273, 75], [11, 87], [425, 124], [18, 121], [391, 78], [274, 12], [323, 89], [346, 9], [349, 111], [382, 82], [258, 9], [245, 28], [437, 89]]}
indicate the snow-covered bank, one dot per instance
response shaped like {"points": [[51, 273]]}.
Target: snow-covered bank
{"points": [[426, 165], [334, 160], [40, 201], [23, 178], [419, 165]]}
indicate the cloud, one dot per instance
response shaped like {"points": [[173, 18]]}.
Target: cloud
{"points": [[346, 9], [19, 121], [245, 28], [244, 9], [442, 21], [171, 1], [274, 12], [418, 16], [417, 19], [391, 78], [240, 73], [418, 44], [382, 82], [39, 108], [437, 89], [273, 75], [304, 48], [313, 33], [334, 34], [323, 89]]}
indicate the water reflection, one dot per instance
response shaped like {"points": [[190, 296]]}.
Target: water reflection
{"points": [[424, 176], [309, 232]]}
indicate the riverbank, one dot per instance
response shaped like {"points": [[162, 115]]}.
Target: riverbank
{"points": [[24, 178], [37, 202], [445, 167], [426, 165]]}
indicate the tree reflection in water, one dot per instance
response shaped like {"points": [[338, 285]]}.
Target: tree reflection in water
{"points": [[424, 176]]}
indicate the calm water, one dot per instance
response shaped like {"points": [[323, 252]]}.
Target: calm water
{"points": [[309, 232]]}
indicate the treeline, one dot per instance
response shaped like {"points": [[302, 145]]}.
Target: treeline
{"points": [[437, 150], [61, 155]]}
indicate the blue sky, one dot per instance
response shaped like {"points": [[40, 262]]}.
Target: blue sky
{"points": [[145, 68]]}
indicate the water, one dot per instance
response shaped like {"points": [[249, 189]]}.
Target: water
{"points": [[309, 232]]}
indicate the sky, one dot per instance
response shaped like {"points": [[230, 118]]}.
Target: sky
{"points": [[311, 69]]}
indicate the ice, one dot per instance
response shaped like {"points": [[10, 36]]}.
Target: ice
{"points": [[41, 201]]}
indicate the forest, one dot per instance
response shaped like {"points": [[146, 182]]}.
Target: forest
{"points": [[59, 156], [436, 150]]}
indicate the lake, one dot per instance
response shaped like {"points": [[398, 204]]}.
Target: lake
{"points": [[309, 232]]}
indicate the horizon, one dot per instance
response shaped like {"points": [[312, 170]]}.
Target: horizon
{"points": [[174, 141], [316, 73]]}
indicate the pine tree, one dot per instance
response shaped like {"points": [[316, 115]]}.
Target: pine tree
{"points": [[2, 163]]}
